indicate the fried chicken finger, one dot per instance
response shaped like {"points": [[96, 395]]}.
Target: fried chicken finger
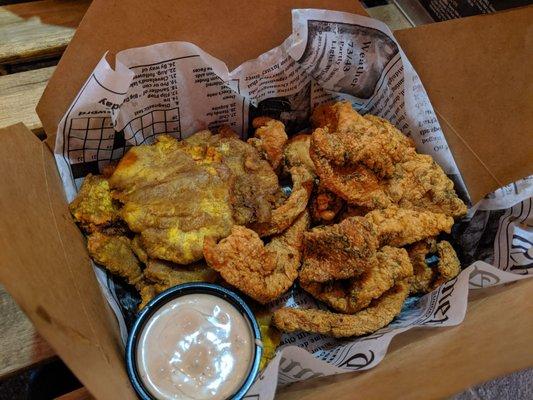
{"points": [[379, 314]]}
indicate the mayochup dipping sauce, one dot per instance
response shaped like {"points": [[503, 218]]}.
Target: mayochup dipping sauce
{"points": [[197, 346]]}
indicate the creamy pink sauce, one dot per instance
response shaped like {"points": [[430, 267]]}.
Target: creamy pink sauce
{"points": [[197, 346]]}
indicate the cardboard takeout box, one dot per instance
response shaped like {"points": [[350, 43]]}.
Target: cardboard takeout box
{"points": [[477, 72]]}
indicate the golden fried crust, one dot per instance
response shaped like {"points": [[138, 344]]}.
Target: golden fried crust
{"points": [[349, 296], [370, 163], [354, 183], [423, 275], [426, 278], [138, 249], [116, 255], [161, 275], [325, 206], [448, 266], [270, 138], [168, 274], [283, 216], [296, 153], [93, 208], [379, 314], [420, 184], [174, 194], [262, 272], [369, 140], [339, 251], [147, 293], [397, 227], [255, 184]]}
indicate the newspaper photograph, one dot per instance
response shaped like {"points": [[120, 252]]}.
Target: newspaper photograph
{"points": [[178, 89]]}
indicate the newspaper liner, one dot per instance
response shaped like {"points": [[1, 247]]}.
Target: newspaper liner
{"points": [[179, 89]]}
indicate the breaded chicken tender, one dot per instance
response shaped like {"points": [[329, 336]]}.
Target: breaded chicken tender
{"points": [[352, 295], [94, 208], [256, 190], [325, 206], [160, 275], [423, 274], [379, 314], [269, 139], [263, 272], [348, 249], [448, 266], [427, 278], [296, 153], [116, 255], [369, 163], [167, 274], [283, 216], [397, 226], [339, 251], [351, 138]]}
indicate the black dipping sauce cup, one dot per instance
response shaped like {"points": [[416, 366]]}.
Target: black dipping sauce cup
{"points": [[182, 290]]}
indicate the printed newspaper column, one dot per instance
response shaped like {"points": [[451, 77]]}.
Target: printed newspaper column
{"points": [[275, 85], [177, 89]]}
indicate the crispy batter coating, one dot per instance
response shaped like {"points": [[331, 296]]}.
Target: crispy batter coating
{"points": [[325, 206], [368, 162], [379, 314], [423, 275], [420, 184], [339, 251], [448, 266], [138, 249], [397, 226], [147, 291], [167, 274], [296, 153], [93, 208], [283, 216], [116, 255], [174, 195], [427, 278], [368, 140], [352, 295], [255, 184], [263, 272], [348, 249], [161, 275], [269, 139]]}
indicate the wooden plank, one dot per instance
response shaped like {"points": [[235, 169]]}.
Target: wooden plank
{"points": [[38, 29], [19, 94], [21, 346]]}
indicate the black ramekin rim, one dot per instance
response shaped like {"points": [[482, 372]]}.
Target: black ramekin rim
{"points": [[171, 294]]}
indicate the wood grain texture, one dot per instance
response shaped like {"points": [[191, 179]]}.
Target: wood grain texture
{"points": [[19, 94], [39, 29], [21, 346]]}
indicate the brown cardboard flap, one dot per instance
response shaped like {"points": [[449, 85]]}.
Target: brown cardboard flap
{"points": [[478, 75], [44, 265], [232, 30], [421, 364]]}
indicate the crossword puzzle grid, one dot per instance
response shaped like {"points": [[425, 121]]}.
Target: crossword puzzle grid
{"points": [[93, 141]]}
